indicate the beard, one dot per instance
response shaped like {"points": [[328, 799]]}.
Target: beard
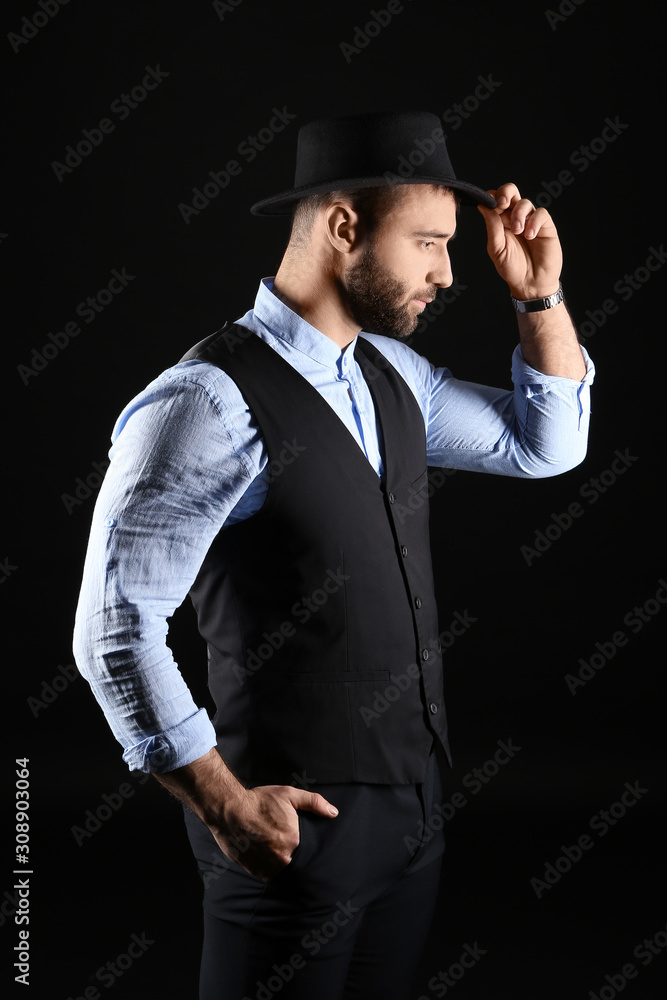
{"points": [[378, 301]]}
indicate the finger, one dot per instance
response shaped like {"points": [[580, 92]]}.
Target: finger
{"points": [[312, 801], [502, 199], [506, 196], [519, 212], [539, 223], [495, 231]]}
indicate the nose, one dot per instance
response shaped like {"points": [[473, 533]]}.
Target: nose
{"points": [[440, 272]]}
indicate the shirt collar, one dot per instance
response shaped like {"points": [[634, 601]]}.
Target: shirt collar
{"points": [[284, 323]]}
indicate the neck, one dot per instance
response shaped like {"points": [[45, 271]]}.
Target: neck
{"points": [[314, 295]]}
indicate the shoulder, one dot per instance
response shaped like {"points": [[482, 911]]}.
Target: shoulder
{"points": [[190, 381], [188, 391]]}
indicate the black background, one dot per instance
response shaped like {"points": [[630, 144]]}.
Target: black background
{"points": [[554, 86]]}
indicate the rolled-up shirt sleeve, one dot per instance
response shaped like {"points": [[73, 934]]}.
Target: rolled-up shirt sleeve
{"points": [[174, 476], [537, 429]]}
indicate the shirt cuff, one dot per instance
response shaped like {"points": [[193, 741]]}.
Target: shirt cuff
{"points": [[177, 746]]}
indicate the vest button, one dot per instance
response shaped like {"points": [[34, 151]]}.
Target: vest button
{"points": [[418, 602], [390, 497], [424, 654], [404, 550], [433, 707]]}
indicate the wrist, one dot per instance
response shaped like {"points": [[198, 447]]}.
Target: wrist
{"points": [[538, 303], [206, 786], [221, 811], [539, 290]]}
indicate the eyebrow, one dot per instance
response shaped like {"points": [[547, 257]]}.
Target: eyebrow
{"points": [[433, 235]]}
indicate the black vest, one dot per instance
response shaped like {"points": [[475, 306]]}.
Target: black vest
{"points": [[319, 610]]}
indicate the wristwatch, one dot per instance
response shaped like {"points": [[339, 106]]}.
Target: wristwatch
{"points": [[537, 305]]}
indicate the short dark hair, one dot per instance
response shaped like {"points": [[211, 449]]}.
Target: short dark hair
{"points": [[369, 202]]}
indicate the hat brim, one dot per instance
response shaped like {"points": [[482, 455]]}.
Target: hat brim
{"points": [[281, 204]]}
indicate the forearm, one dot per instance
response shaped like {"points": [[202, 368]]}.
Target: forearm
{"points": [[549, 342], [206, 786], [538, 429], [120, 649]]}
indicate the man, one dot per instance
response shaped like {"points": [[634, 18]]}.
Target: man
{"points": [[278, 473]]}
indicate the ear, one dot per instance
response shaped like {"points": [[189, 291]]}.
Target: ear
{"points": [[343, 226]]}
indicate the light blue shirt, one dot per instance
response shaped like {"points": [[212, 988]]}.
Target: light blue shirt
{"points": [[187, 458]]}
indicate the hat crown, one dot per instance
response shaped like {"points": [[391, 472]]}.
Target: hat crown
{"points": [[372, 145]]}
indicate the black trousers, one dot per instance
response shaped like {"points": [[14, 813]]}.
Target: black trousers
{"points": [[346, 919]]}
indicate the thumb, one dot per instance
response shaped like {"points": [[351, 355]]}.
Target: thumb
{"points": [[312, 801]]}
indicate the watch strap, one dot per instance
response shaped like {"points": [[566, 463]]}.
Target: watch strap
{"points": [[538, 305]]}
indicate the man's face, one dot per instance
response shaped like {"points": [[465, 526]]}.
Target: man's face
{"points": [[400, 266]]}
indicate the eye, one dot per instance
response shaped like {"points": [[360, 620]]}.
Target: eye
{"points": [[427, 243]]}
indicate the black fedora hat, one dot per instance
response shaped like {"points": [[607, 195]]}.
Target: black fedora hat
{"points": [[370, 150]]}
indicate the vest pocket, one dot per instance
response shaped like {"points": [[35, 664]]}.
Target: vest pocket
{"points": [[335, 676], [419, 483]]}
